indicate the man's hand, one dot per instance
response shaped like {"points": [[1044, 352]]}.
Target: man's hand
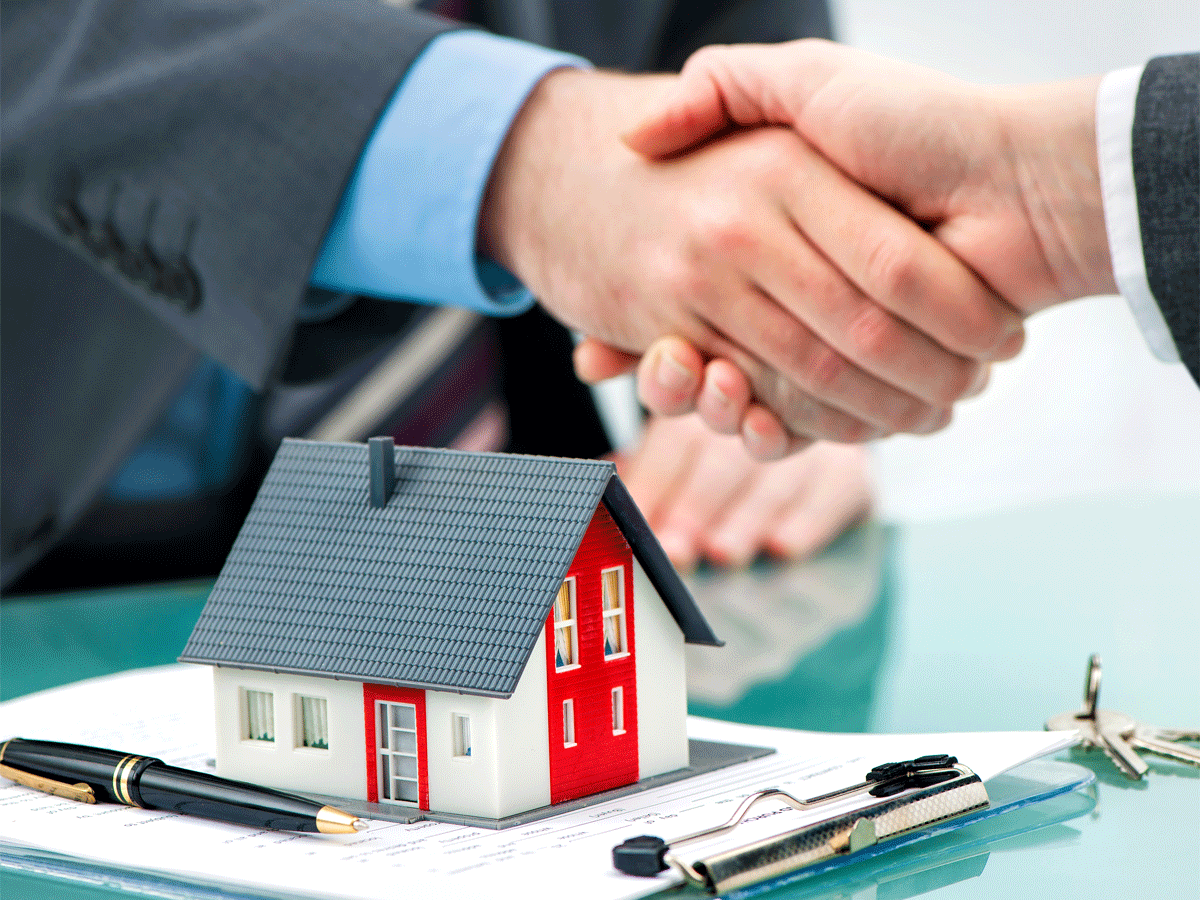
{"points": [[1006, 178], [849, 319], [705, 498]]}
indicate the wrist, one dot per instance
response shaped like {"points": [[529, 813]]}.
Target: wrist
{"points": [[1051, 135], [568, 129]]}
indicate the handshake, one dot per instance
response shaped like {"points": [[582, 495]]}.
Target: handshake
{"points": [[836, 246]]}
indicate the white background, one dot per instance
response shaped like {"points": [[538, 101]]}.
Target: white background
{"points": [[1085, 409]]}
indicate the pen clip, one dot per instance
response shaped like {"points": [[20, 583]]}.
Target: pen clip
{"points": [[81, 792]]}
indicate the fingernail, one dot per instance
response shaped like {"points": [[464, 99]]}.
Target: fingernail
{"points": [[673, 375], [728, 550]]}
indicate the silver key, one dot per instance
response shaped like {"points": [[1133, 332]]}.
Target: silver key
{"points": [[1092, 735], [1119, 735], [1148, 738]]}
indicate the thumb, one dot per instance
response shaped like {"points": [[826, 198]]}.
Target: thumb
{"points": [[694, 113], [596, 361]]}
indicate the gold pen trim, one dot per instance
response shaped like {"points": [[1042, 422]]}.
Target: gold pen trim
{"points": [[331, 820], [80, 792], [116, 787], [120, 780]]}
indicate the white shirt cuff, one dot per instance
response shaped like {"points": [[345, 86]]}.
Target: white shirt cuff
{"points": [[1115, 105]]}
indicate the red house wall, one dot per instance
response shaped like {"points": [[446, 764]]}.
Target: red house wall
{"points": [[371, 693], [599, 760]]}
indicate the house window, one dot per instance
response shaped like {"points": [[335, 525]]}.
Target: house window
{"points": [[460, 727], [258, 723], [568, 723], [613, 594], [618, 709], [566, 641], [312, 722]]}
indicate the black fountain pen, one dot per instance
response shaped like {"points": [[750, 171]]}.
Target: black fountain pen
{"points": [[89, 774]]}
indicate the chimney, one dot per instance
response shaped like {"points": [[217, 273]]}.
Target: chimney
{"points": [[382, 463]]}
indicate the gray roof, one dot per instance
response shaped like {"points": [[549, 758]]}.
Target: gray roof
{"points": [[448, 586]]}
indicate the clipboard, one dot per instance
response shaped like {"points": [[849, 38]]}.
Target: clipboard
{"points": [[920, 802]]}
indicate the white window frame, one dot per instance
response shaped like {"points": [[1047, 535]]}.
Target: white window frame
{"points": [[318, 709], [572, 623], [617, 612], [569, 724], [618, 710], [249, 699], [460, 736]]}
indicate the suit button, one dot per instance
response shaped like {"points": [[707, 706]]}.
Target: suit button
{"points": [[139, 265], [70, 220], [103, 241], [179, 284]]}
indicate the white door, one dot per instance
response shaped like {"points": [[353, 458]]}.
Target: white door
{"points": [[396, 731]]}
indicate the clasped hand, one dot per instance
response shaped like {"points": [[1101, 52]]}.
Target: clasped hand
{"points": [[851, 240], [847, 319]]}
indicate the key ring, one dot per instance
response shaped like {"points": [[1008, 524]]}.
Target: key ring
{"points": [[1091, 691]]}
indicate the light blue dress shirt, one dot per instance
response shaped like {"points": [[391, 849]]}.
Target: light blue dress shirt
{"points": [[405, 230]]}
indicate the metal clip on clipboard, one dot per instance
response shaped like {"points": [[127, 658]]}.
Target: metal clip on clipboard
{"points": [[913, 795]]}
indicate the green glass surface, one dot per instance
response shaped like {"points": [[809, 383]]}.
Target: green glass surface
{"points": [[979, 624]]}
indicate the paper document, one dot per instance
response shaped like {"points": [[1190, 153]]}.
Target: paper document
{"points": [[167, 712]]}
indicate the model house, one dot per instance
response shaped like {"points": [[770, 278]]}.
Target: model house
{"points": [[472, 633]]}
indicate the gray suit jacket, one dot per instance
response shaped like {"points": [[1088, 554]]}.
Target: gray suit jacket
{"points": [[1166, 172], [169, 171]]}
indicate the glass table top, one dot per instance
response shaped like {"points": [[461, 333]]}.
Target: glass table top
{"points": [[983, 623]]}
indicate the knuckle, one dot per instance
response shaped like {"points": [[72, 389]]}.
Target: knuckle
{"points": [[724, 229], [825, 369], [704, 59], [894, 267], [875, 334]]}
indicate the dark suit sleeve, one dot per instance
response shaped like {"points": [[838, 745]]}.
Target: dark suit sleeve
{"points": [[195, 153], [1166, 171]]}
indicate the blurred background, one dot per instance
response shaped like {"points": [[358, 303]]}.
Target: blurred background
{"points": [[1085, 409]]}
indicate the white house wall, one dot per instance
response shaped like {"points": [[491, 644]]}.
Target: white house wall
{"points": [[524, 753], [339, 771], [661, 682], [508, 770]]}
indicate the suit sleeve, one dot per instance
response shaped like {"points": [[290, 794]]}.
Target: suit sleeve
{"points": [[195, 153], [1166, 174]]}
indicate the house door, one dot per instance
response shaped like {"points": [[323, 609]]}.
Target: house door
{"points": [[396, 743]]}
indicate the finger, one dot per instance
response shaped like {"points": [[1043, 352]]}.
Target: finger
{"points": [[891, 259], [815, 391], [740, 535], [837, 497], [766, 438], [719, 472], [724, 397], [596, 361], [670, 377], [802, 279], [654, 472], [695, 112]]}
